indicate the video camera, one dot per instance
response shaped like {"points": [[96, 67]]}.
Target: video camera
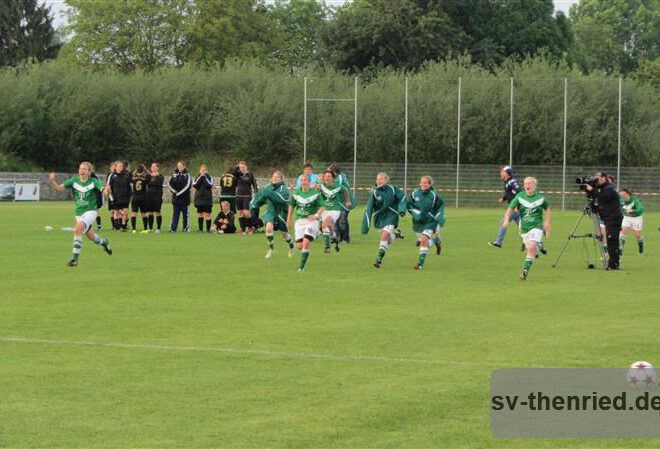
{"points": [[584, 181]]}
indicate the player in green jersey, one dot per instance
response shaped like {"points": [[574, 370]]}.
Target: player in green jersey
{"points": [[533, 226], [428, 214], [305, 208], [277, 197], [385, 204], [334, 198], [632, 219], [83, 188]]}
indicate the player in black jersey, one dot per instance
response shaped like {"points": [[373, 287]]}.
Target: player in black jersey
{"points": [[139, 200], [228, 188], [111, 199], [203, 184], [224, 221], [120, 189], [246, 185], [99, 201], [155, 197]]}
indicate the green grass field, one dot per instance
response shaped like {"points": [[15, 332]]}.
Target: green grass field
{"points": [[189, 340]]}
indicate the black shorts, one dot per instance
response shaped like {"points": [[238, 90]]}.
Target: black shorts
{"points": [[119, 205], [154, 204], [139, 204], [231, 201], [243, 202], [204, 209], [111, 205]]}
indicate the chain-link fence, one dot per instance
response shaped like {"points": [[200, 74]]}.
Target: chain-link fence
{"points": [[481, 186]]}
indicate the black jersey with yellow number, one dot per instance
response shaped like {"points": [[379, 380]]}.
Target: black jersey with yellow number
{"points": [[139, 183], [228, 184]]}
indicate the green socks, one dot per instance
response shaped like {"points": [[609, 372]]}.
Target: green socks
{"points": [[422, 256], [303, 258]]}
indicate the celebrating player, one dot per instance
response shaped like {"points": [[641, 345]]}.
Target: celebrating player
{"points": [[276, 196], [385, 204], [531, 205], [342, 228], [333, 197], [83, 188], [632, 219], [203, 185], [139, 201], [155, 196], [428, 215], [305, 207]]}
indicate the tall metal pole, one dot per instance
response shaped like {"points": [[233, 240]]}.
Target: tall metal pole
{"points": [[458, 139], [305, 120], [405, 143], [511, 125], [563, 169], [355, 124], [618, 157]]}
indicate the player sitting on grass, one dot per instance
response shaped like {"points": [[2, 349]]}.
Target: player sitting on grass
{"points": [[305, 208], [83, 188], [333, 197], [224, 221], [632, 219], [276, 196], [385, 204], [428, 214], [533, 227]]}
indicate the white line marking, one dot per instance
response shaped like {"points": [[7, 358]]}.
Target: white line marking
{"points": [[261, 352]]}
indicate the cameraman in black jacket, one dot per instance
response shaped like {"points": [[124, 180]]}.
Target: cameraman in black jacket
{"points": [[609, 209]]}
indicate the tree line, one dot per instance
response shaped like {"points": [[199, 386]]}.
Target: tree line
{"points": [[52, 115], [173, 78]]}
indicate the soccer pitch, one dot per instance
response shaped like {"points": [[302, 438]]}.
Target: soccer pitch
{"points": [[195, 340]]}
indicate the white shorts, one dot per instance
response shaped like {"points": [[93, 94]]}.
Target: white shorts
{"points": [[390, 230], [88, 218], [306, 227], [534, 235], [334, 214], [637, 223], [427, 232]]}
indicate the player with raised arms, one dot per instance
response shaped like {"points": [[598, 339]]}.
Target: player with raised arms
{"points": [[333, 197], [83, 188], [139, 200], [276, 196], [305, 207], [427, 209], [533, 226], [386, 203]]}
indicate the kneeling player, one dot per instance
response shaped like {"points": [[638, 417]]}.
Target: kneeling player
{"points": [[385, 204], [83, 187], [533, 227], [332, 195], [276, 196], [428, 214], [305, 207]]}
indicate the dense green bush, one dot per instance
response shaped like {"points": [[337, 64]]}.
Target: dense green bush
{"points": [[53, 114]]}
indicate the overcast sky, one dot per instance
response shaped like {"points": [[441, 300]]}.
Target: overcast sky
{"points": [[58, 7]]}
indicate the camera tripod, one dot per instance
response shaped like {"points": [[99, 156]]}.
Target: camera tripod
{"points": [[600, 251]]}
